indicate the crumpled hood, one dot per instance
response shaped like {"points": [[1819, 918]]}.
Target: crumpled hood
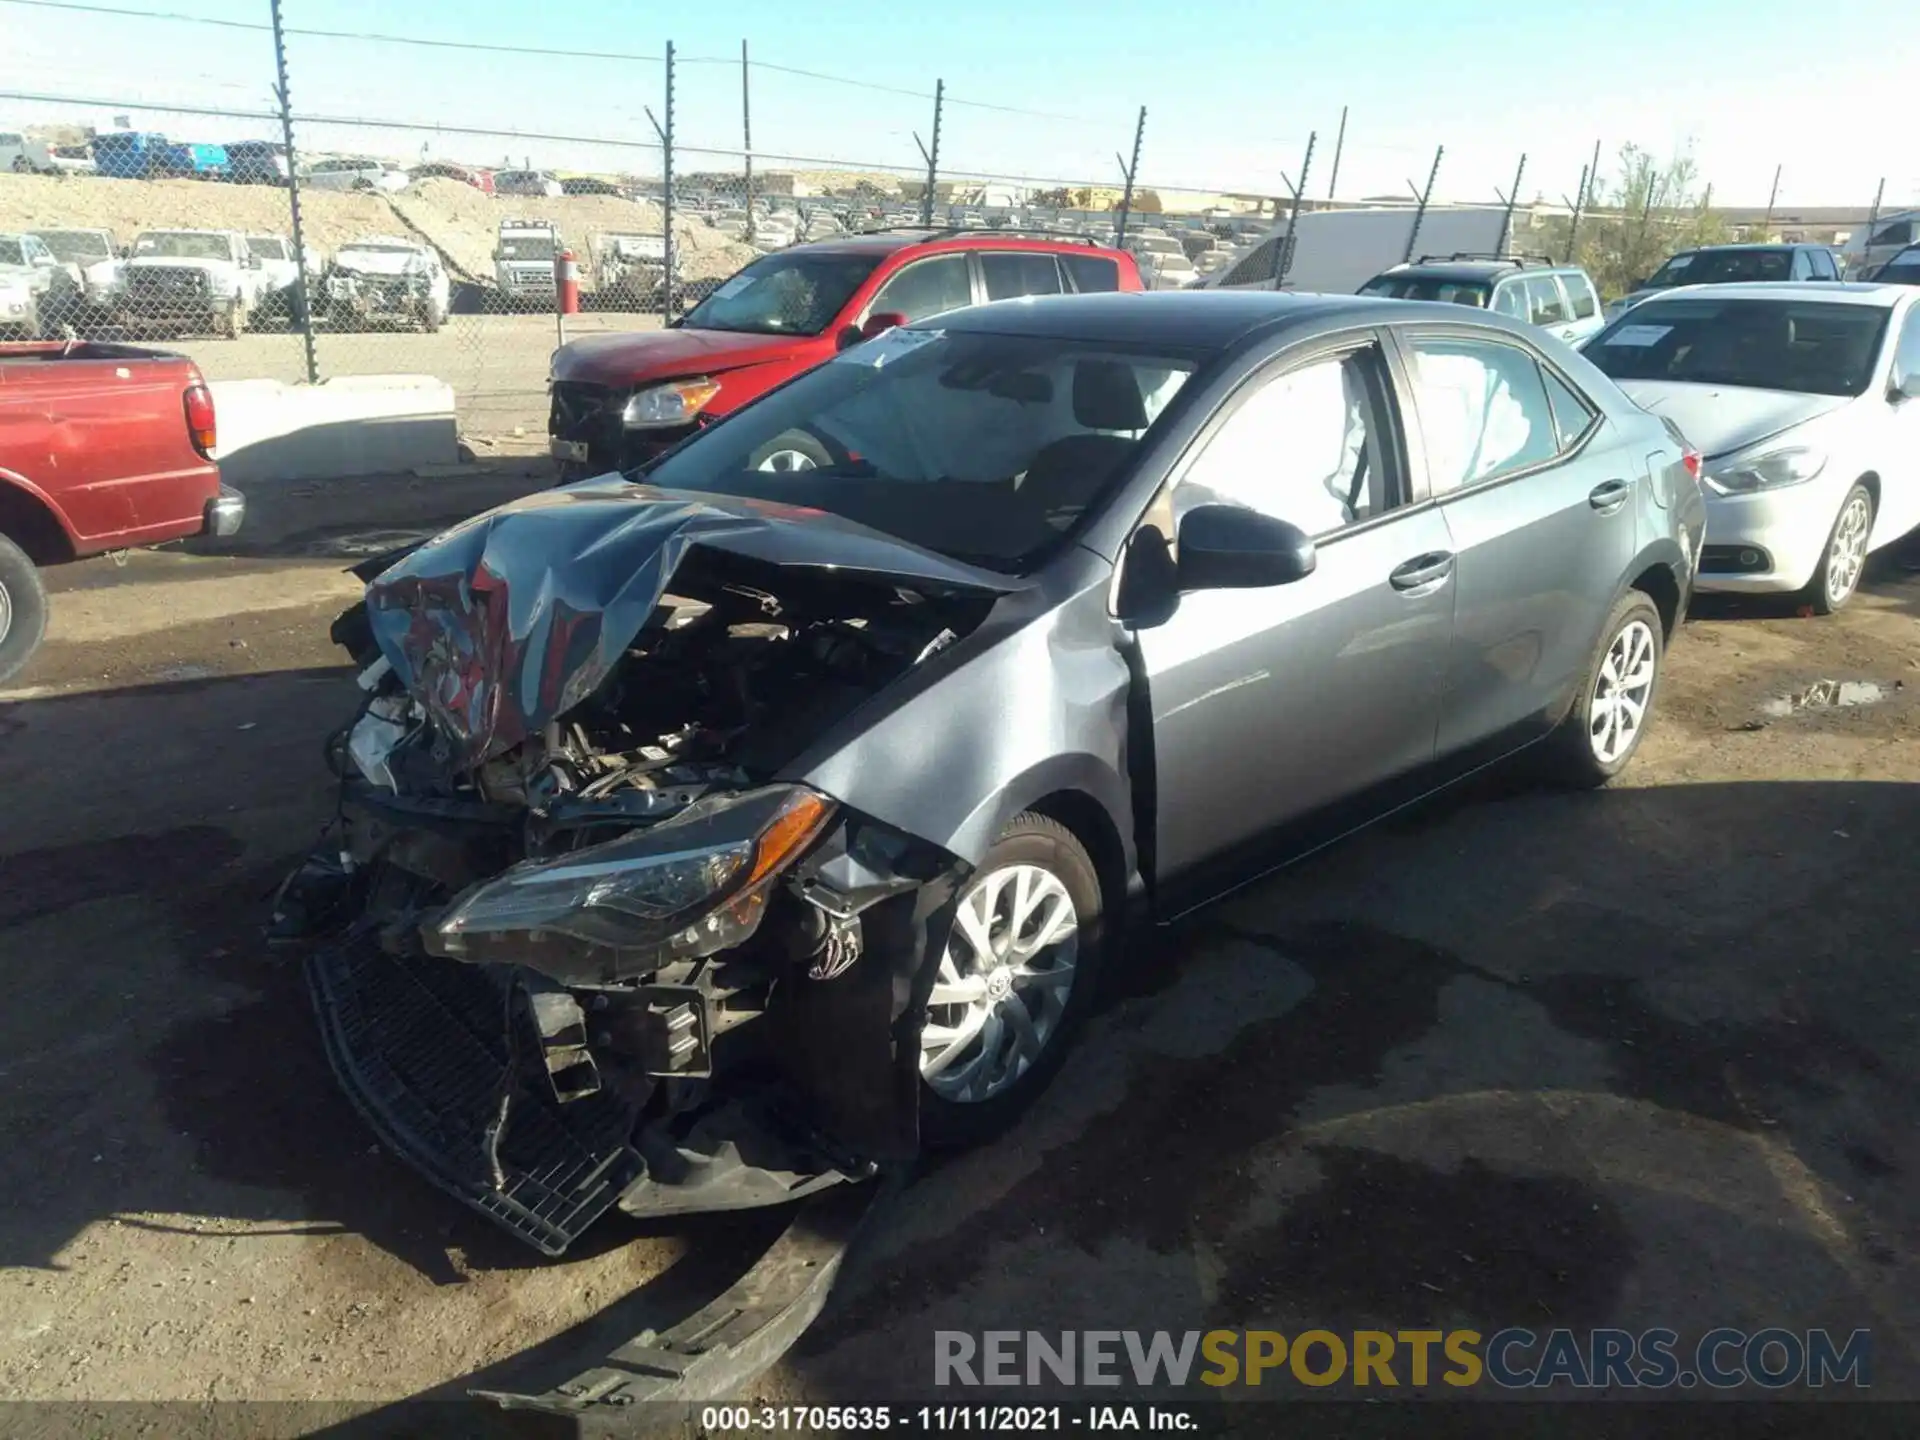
{"points": [[625, 357], [510, 619], [1721, 418]]}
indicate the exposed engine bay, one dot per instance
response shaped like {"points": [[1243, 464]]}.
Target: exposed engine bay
{"points": [[574, 953]]}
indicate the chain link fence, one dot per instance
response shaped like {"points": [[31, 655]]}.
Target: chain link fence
{"points": [[285, 209]]}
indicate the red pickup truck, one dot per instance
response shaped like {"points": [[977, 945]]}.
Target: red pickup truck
{"points": [[102, 447]]}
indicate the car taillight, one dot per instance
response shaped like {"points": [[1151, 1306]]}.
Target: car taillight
{"points": [[1691, 459], [198, 403]]}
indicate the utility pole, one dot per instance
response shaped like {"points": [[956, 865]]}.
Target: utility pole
{"points": [[746, 135], [1423, 196], [1766, 226], [300, 295], [932, 156], [1130, 169], [1339, 145], [1284, 244]]}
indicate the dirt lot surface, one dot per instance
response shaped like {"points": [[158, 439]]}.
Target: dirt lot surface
{"points": [[1639, 1057]]}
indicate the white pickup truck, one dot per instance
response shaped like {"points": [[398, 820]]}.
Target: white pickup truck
{"points": [[280, 275], [181, 281], [523, 262]]}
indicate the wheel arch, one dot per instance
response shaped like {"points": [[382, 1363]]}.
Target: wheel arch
{"points": [[33, 522]]}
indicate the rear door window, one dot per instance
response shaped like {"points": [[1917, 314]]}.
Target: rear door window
{"points": [[1573, 413], [1010, 274], [1823, 266], [1802, 266], [1511, 299], [1483, 408], [1547, 304], [1092, 274], [927, 287]]}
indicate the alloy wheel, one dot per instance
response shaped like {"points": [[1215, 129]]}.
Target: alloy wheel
{"points": [[1003, 983], [783, 461], [1847, 556], [1621, 691]]}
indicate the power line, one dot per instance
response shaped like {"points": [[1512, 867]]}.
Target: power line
{"points": [[334, 34]]}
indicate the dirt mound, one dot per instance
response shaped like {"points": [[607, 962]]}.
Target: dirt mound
{"points": [[126, 207]]}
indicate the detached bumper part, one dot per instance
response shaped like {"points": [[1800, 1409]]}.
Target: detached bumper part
{"points": [[420, 1047], [224, 513]]}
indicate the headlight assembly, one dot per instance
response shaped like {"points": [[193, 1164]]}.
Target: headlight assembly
{"points": [[684, 888], [1773, 470], [675, 403]]}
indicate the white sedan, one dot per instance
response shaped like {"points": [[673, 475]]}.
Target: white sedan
{"points": [[1804, 401]]}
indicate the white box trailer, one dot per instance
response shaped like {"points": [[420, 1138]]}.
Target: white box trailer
{"points": [[1340, 250]]}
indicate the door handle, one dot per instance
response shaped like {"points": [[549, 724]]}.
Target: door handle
{"points": [[1609, 496], [1422, 572]]}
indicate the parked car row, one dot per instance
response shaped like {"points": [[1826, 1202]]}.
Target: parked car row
{"points": [[169, 283]]}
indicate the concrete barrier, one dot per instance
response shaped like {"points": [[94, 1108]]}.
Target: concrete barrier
{"points": [[348, 426]]}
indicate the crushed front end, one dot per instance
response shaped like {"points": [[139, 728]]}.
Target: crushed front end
{"points": [[578, 944]]}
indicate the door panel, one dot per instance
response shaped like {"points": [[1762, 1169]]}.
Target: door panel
{"points": [[1270, 704], [1544, 530]]}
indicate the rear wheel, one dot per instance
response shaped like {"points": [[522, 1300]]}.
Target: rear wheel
{"points": [[1014, 982], [1845, 558], [1609, 719], [23, 609]]}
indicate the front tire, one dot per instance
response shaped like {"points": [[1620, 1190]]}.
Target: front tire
{"points": [[1014, 982], [1604, 729], [1838, 576], [23, 609]]}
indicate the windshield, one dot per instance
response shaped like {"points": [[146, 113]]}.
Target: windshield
{"points": [[78, 246], [783, 295], [179, 245], [985, 448], [12, 253], [526, 247], [1426, 287], [1722, 267], [1812, 347]]}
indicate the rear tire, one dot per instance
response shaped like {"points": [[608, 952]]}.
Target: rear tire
{"points": [[23, 609], [1035, 854], [1837, 579], [1614, 704]]}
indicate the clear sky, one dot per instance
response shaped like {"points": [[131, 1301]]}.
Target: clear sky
{"points": [[1232, 89]]}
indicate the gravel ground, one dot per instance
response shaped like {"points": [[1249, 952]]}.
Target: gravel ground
{"points": [[1636, 1057]]}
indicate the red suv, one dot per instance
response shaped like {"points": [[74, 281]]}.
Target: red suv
{"points": [[619, 400]]}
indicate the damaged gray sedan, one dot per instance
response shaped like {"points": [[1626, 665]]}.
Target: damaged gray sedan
{"points": [[711, 836]]}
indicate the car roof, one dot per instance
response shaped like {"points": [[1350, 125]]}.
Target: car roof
{"points": [[936, 241], [1754, 245], [1883, 297], [1476, 270], [1194, 319]]}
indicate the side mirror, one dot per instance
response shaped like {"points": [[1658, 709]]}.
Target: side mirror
{"points": [[1228, 547], [849, 336], [1906, 386], [881, 321]]}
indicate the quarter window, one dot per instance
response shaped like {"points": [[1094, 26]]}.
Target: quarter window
{"points": [[928, 287], [1549, 306], [1580, 292], [1011, 274], [1306, 446], [1484, 410], [1572, 413]]}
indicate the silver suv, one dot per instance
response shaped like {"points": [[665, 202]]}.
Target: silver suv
{"points": [[1560, 299]]}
